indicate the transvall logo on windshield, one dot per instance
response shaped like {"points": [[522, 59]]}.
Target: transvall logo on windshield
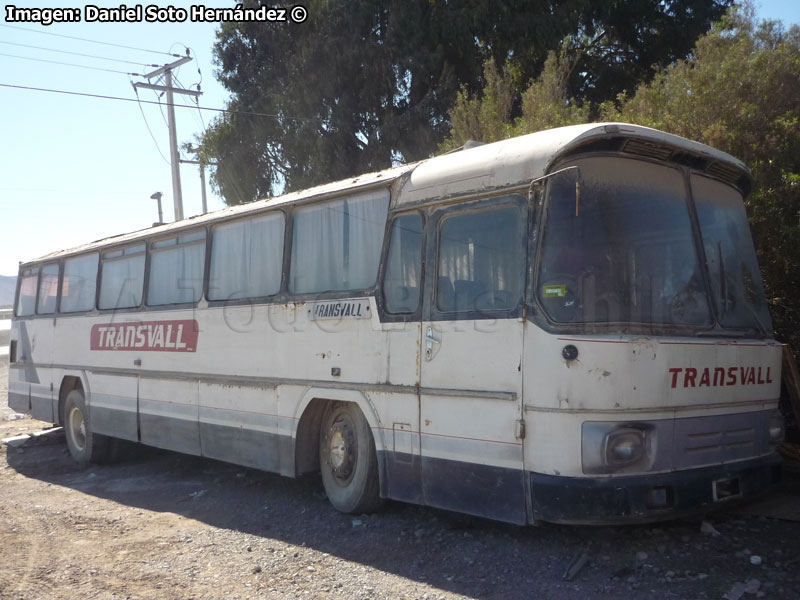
{"points": [[157, 336]]}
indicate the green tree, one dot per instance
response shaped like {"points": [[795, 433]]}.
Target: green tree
{"points": [[363, 84], [487, 116]]}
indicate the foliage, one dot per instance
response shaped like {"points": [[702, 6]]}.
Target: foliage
{"points": [[363, 84], [486, 117]]}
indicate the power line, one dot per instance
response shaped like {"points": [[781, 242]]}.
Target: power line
{"points": [[130, 62], [221, 110], [185, 86], [158, 99], [56, 62], [72, 37], [146, 124], [196, 100], [199, 72]]}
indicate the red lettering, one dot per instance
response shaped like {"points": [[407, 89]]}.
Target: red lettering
{"points": [[675, 371], [722, 376]]}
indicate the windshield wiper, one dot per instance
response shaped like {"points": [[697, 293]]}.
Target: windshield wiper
{"points": [[723, 279]]}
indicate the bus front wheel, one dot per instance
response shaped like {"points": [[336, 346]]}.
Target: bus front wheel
{"points": [[84, 445], [347, 459]]}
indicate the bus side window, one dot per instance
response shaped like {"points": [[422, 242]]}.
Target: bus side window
{"points": [[122, 277], [29, 282], [176, 269], [480, 261], [79, 284], [336, 245], [402, 282], [48, 290], [247, 258]]}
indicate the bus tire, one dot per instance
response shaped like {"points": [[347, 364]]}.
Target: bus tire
{"points": [[84, 445], [347, 459]]}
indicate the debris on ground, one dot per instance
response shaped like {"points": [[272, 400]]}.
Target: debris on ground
{"points": [[575, 566], [709, 529]]}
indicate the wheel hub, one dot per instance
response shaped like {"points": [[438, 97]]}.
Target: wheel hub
{"points": [[342, 449], [77, 427]]}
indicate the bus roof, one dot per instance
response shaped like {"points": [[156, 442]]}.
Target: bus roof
{"points": [[518, 161], [504, 164]]}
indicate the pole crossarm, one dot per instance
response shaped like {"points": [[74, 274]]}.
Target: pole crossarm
{"points": [[165, 68], [163, 88]]}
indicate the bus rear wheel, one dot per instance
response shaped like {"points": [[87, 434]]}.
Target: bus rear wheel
{"points": [[347, 459], [84, 445]]}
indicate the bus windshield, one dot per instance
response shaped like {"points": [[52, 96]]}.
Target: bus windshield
{"points": [[623, 250]]}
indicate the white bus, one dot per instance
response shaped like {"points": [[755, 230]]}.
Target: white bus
{"points": [[568, 326]]}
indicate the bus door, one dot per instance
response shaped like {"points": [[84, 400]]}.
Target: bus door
{"points": [[471, 358], [41, 338]]}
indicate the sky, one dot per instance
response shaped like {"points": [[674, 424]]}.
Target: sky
{"points": [[74, 169]]}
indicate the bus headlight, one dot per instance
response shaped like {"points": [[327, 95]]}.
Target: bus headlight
{"points": [[776, 428], [617, 447], [623, 446]]}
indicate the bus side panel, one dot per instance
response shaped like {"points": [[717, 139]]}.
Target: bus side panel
{"points": [[42, 396], [400, 451], [168, 414], [21, 375], [471, 462], [238, 424], [33, 391], [113, 403], [19, 391]]}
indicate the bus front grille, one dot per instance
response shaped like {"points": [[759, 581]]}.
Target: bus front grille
{"points": [[702, 441]]}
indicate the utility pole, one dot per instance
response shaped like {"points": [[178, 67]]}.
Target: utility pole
{"points": [[166, 70], [202, 174]]}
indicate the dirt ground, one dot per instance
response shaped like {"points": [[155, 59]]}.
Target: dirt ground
{"points": [[160, 525]]}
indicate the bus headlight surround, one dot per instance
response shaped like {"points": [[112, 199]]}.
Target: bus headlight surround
{"points": [[617, 447]]}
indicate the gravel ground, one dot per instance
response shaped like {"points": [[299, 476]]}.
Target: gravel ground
{"points": [[162, 525]]}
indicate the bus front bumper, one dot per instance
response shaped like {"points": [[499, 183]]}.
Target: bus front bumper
{"points": [[652, 497]]}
